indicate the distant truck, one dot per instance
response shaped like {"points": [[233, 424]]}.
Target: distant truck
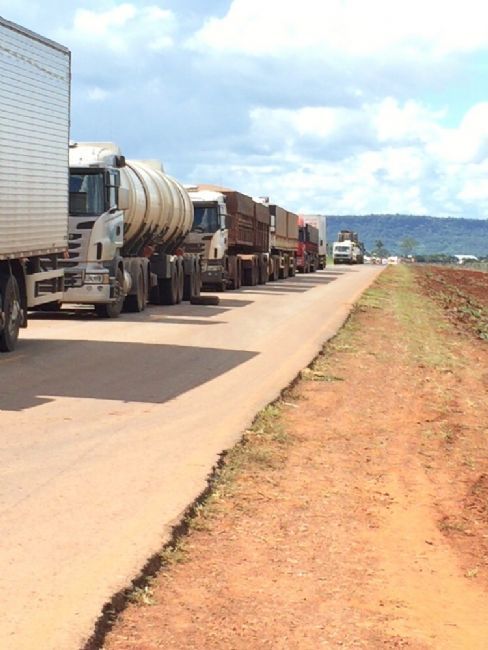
{"points": [[307, 247], [319, 221], [348, 249], [127, 225], [232, 233], [283, 242], [35, 101]]}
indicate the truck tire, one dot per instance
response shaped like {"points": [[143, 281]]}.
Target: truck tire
{"points": [[113, 309], [192, 283], [234, 272], [180, 285], [12, 310], [168, 287], [205, 300], [238, 273], [197, 289], [262, 271], [284, 272], [136, 302]]}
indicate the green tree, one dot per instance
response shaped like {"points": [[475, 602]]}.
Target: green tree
{"points": [[379, 249], [408, 245]]}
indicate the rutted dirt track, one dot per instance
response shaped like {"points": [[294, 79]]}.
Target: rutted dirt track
{"points": [[359, 515]]}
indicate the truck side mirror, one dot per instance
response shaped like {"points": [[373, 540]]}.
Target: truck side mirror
{"points": [[123, 198]]}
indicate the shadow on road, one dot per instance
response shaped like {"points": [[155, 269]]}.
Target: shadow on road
{"points": [[128, 372]]}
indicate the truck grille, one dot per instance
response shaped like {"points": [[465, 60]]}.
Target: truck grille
{"points": [[79, 237]]}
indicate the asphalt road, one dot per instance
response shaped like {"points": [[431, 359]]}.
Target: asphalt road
{"points": [[108, 430]]}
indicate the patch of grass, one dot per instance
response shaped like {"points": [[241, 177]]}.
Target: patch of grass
{"points": [[281, 437], [309, 374], [142, 596], [472, 573], [421, 321], [450, 525], [448, 435], [376, 297], [176, 554], [262, 448]]}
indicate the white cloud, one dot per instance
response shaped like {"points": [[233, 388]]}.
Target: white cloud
{"points": [[401, 165], [469, 142], [349, 27], [125, 28], [321, 122], [97, 94], [412, 121]]}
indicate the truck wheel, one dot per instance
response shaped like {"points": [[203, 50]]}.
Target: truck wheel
{"points": [[168, 288], [113, 309], [262, 271], [12, 310], [136, 302], [284, 272], [189, 284], [238, 276], [197, 287], [181, 281], [255, 272]]}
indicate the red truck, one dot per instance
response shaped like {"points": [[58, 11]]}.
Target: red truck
{"points": [[307, 247]]}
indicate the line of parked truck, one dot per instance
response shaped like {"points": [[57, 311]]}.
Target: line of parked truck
{"points": [[80, 224]]}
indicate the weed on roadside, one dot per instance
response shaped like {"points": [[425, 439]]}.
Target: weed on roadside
{"points": [[142, 596]]}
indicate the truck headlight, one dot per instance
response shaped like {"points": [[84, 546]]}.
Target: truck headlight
{"points": [[96, 278]]}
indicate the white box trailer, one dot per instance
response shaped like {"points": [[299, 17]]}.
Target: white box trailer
{"points": [[34, 173], [319, 221]]}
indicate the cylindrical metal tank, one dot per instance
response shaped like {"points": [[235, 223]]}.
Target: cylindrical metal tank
{"points": [[160, 210]]}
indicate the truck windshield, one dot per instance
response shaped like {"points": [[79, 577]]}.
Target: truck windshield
{"points": [[86, 194], [206, 219], [342, 249]]}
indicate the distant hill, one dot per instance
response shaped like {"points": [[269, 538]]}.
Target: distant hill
{"points": [[433, 234]]}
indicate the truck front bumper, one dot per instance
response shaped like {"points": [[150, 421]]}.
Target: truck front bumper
{"points": [[89, 294]]}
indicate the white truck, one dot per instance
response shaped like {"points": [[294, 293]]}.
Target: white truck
{"points": [[319, 221], [348, 249], [231, 231], [34, 138], [127, 224], [345, 252]]}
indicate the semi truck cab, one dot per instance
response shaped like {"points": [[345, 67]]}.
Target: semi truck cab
{"points": [[95, 233], [345, 252], [209, 234]]}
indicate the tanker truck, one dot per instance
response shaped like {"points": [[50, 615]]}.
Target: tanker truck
{"points": [[34, 100], [231, 231], [127, 224]]}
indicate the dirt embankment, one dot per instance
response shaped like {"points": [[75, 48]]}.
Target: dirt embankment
{"points": [[355, 513]]}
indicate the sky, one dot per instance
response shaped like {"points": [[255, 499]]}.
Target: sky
{"points": [[325, 106]]}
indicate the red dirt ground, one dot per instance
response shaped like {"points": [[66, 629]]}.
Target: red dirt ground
{"points": [[462, 293], [361, 522]]}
